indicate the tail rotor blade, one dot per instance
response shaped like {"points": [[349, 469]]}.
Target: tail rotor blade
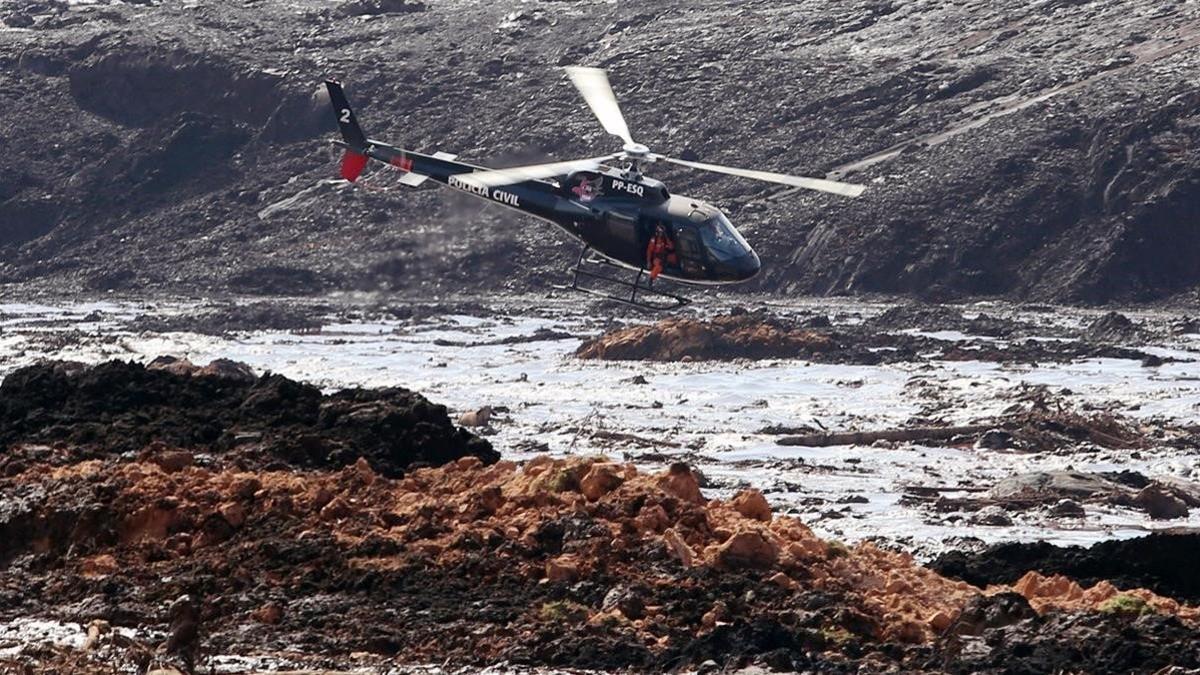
{"points": [[820, 184], [593, 85]]}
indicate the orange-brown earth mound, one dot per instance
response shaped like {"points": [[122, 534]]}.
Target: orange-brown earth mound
{"points": [[559, 562]]}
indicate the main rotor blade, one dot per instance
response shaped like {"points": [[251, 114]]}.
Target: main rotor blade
{"points": [[845, 189], [517, 174], [593, 84]]}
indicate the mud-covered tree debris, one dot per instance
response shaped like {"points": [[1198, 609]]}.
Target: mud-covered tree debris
{"points": [[222, 408]]}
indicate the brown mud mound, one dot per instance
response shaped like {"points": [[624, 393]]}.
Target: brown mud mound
{"points": [[1163, 563], [730, 336], [577, 562], [223, 408], [760, 335]]}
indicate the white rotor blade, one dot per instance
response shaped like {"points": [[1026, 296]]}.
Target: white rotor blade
{"points": [[517, 174], [593, 84], [845, 189]]}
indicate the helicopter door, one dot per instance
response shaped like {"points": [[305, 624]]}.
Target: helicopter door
{"points": [[622, 228]]}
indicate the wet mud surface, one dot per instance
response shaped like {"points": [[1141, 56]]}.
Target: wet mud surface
{"points": [[208, 515]]}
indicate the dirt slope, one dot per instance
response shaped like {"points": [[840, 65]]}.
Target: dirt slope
{"points": [[575, 562], [1043, 150]]}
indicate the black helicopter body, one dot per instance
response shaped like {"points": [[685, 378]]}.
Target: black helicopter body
{"points": [[618, 213]]}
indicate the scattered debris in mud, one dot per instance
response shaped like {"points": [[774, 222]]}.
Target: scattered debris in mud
{"points": [[1037, 421], [761, 335], [235, 318], [62, 412]]}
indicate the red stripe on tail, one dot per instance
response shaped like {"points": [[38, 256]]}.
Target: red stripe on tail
{"points": [[353, 165]]}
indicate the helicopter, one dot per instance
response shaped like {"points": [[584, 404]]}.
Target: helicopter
{"points": [[627, 222]]}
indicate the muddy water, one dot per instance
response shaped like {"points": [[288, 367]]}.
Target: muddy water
{"points": [[710, 414]]}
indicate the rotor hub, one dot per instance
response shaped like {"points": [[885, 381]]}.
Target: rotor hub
{"points": [[636, 151]]}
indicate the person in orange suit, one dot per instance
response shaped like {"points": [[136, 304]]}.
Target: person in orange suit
{"points": [[660, 251]]}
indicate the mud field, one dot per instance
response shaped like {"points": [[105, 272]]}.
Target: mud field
{"points": [[850, 487]]}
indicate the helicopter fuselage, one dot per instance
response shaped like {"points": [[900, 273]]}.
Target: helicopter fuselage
{"points": [[613, 212]]}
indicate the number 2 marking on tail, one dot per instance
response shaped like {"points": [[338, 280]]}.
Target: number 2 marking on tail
{"points": [[344, 118]]}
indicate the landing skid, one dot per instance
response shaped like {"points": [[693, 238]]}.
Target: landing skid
{"points": [[651, 298]]}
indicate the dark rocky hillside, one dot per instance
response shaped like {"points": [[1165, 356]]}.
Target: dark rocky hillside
{"points": [[1045, 150]]}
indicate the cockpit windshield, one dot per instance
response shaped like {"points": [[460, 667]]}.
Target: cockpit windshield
{"points": [[722, 239]]}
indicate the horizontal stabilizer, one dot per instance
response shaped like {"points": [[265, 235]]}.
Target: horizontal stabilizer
{"points": [[413, 179], [444, 155]]}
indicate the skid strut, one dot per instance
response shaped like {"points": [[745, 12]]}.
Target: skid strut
{"points": [[651, 298]]}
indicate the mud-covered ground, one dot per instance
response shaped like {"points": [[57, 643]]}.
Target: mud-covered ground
{"points": [[183, 558], [1038, 151], [913, 425], [761, 506]]}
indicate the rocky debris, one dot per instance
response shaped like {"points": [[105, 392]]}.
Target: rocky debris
{"points": [[234, 318], [752, 504], [477, 418], [993, 610], [1185, 326], [1037, 421], [376, 7], [1159, 562], [1160, 504], [1051, 486], [501, 563], [925, 316], [221, 408], [600, 479], [1115, 327], [760, 335], [1073, 642], [1063, 493], [1062, 593]]}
